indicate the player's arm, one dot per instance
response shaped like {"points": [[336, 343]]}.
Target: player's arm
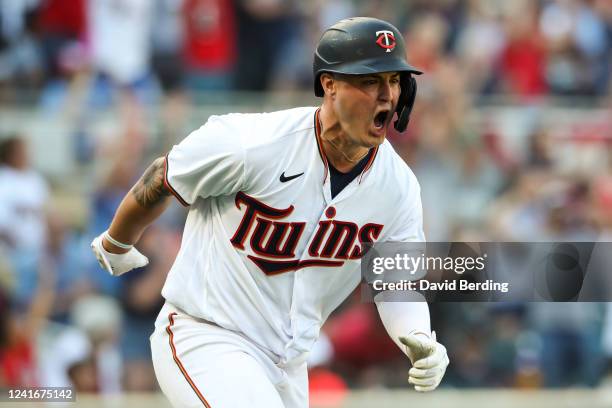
{"points": [[408, 323], [209, 162], [142, 205]]}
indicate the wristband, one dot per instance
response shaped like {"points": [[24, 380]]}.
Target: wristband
{"points": [[116, 243]]}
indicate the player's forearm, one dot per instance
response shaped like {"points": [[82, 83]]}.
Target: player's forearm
{"points": [[403, 318], [144, 203], [131, 219]]}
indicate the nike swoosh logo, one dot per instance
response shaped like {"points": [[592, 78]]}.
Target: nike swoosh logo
{"points": [[284, 179]]}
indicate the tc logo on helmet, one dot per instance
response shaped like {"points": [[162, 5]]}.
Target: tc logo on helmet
{"points": [[386, 40]]}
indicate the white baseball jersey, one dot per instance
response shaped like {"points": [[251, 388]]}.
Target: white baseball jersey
{"points": [[266, 251]]}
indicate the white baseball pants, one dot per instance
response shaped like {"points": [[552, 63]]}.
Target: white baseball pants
{"points": [[198, 364]]}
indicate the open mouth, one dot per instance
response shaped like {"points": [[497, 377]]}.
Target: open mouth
{"points": [[380, 119]]}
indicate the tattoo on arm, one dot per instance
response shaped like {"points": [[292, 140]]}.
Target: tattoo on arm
{"points": [[150, 189]]}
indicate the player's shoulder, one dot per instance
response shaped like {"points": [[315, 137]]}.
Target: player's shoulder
{"points": [[254, 129], [395, 167], [392, 178]]}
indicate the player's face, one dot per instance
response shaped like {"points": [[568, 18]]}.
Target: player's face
{"points": [[364, 105]]}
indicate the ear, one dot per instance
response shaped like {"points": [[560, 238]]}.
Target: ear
{"points": [[328, 84]]}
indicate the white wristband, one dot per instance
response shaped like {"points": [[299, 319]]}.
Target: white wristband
{"points": [[116, 243]]}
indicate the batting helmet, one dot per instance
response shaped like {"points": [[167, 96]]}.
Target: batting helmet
{"points": [[365, 45]]}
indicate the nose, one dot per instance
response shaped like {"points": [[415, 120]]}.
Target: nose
{"points": [[385, 92]]}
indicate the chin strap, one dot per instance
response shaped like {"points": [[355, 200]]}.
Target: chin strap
{"points": [[404, 106]]}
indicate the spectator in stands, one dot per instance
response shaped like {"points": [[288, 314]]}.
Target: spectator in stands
{"points": [[119, 33], [99, 317], [593, 39], [480, 41], [20, 65], [17, 360], [523, 59], [426, 40], [210, 44], [23, 199], [578, 46], [61, 27], [167, 44], [20, 326], [571, 344], [265, 28], [168, 64]]}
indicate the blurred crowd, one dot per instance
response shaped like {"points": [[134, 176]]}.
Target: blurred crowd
{"points": [[524, 48], [511, 140]]}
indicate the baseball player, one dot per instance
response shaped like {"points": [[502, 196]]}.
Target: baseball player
{"points": [[281, 207]]}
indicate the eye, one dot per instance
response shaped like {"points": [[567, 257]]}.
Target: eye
{"points": [[395, 80]]}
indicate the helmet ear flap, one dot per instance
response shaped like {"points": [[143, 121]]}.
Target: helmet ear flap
{"points": [[406, 101]]}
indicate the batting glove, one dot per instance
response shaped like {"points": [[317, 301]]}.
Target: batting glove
{"points": [[117, 264], [429, 360]]}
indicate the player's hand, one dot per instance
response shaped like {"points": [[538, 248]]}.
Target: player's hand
{"points": [[429, 360], [117, 264]]}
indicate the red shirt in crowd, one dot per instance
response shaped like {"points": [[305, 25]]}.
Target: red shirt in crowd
{"points": [[210, 34], [63, 17], [17, 365], [523, 64]]}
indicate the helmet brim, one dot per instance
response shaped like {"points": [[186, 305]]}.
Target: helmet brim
{"points": [[364, 67]]}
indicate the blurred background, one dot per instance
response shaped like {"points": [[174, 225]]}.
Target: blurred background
{"points": [[510, 138]]}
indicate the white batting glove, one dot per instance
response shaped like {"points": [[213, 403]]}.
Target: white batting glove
{"points": [[117, 264], [429, 360]]}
